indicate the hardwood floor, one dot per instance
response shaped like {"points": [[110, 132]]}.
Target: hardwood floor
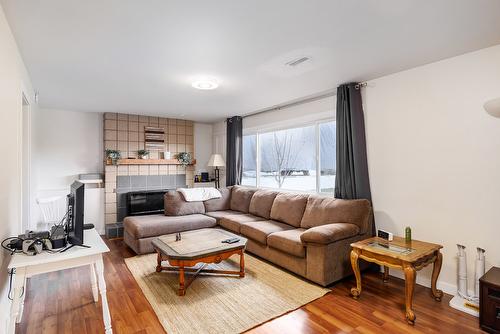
{"points": [[62, 302]]}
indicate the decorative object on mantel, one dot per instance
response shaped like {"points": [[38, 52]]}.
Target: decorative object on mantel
{"points": [[184, 158], [142, 154], [154, 138], [216, 161], [112, 157], [166, 155]]}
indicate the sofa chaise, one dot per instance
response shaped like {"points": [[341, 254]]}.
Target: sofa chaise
{"points": [[309, 235]]}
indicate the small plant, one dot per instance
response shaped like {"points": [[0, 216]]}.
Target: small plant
{"points": [[113, 156], [184, 158], [142, 154]]}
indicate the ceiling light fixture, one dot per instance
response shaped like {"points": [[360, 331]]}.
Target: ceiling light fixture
{"points": [[205, 84]]}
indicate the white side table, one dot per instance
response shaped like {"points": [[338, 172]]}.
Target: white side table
{"points": [[26, 266]]}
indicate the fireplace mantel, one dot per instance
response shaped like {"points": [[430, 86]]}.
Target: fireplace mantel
{"points": [[150, 162]]}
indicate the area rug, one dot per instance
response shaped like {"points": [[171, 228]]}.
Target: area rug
{"points": [[221, 304]]}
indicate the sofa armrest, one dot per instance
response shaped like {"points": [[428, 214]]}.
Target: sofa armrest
{"points": [[325, 234]]}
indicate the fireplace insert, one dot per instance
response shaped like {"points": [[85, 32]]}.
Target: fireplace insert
{"points": [[146, 202]]}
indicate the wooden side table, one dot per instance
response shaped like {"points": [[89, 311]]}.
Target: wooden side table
{"points": [[408, 256]]}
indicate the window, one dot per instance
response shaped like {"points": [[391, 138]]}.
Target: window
{"points": [[288, 159], [249, 161], [300, 158], [328, 157]]}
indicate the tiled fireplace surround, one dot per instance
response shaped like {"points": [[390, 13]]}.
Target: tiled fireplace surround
{"points": [[126, 133]]}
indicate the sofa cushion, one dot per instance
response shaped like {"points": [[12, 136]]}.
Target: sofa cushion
{"points": [[221, 214], [176, 205], [329, 233], [259, 230], [288, 242], [241, 197], [156, 225], [322, 210], [234, 222], [219, 204], [262, 202], [289, 208]]}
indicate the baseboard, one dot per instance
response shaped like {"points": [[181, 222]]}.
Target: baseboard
{"points": [[448, 288]]}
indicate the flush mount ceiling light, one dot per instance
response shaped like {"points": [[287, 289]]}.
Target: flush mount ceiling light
{"points": [[205, 83]]}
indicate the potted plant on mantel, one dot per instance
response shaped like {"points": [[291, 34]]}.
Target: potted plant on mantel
{"points": [[184, 158], [112, 157], [143, 154]]}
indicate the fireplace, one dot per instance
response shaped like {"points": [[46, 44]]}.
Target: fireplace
{"points": [[145, 202]]}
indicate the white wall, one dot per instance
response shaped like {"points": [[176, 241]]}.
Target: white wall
{"points": [[203, 134], [13, 81], [65, 144], [434, 156]]}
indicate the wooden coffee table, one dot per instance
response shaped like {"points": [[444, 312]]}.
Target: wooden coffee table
{"points": [[198, 246], [408, 256]]}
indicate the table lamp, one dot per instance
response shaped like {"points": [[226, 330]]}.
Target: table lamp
{"points": [[216, 161]]}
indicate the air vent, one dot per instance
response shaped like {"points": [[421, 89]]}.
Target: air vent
{"points": [[297, 61]]}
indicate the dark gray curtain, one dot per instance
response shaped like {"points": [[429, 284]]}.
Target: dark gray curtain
{"points": [[234, 151], [351, 181]]}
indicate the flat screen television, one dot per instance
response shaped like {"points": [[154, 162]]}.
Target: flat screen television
{"points": [[74, 225]]}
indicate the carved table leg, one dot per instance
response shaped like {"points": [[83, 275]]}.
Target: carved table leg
{"points": [[106, 316], [158, 267], [355, 292], [93, 281], [386, 274], [437, 294], [410, 277], [182, 288], [242, 264]]}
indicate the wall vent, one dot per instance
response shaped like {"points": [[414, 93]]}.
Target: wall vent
{"points": [[297, 61]]}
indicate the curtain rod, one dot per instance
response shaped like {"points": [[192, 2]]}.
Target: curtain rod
{"points": [[291, 104], [300, 102]]}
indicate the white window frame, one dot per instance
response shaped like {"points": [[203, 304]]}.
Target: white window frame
{"points": [[317, 152]]}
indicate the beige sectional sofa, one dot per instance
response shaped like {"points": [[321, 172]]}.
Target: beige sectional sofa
{"points": [[309, 235]]}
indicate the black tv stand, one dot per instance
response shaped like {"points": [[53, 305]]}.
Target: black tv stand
{"points": [[73, 245]]}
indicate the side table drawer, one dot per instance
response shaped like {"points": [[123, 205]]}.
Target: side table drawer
{"points": [[490, 308]]}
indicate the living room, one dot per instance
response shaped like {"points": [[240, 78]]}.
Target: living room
{"points": [[260, 167]]}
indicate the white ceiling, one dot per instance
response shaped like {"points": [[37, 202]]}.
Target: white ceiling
{"points": [[140, 56]]}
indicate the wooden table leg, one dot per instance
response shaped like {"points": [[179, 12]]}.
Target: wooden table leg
{"points": [[386, 274], [242, 264], [410, 278], [182, 288], [158, 260], [355, 292], [437, 294]]}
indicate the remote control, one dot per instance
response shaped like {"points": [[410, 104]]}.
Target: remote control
{"points": [[231, 240]]}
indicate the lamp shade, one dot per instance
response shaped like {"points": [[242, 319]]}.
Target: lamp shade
{"points": [[493, 107], [216, 160]]}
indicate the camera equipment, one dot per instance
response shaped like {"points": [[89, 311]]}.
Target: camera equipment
{"points": [[36, 246]]}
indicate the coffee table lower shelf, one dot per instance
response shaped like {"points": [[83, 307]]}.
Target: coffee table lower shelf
{"points": [[183, 266]]}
